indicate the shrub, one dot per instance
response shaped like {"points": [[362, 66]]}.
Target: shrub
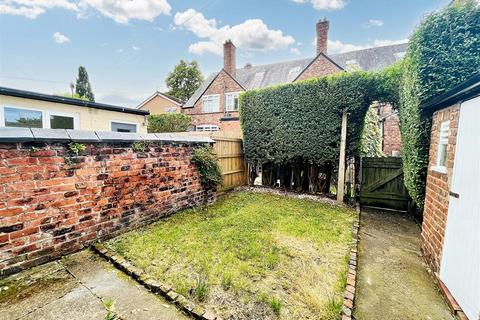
{"points": [[169, 122], [371, 139], [443, 52], [293, 130], [207, 164]]}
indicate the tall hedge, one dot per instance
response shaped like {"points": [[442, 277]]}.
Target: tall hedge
{"points": [[443, 52]]}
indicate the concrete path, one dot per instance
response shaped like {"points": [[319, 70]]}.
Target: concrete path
{"points": [[392, 282], [77, 288]]}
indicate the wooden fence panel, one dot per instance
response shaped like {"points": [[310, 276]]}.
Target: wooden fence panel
{"points": [[232, 161], [382, 184]]}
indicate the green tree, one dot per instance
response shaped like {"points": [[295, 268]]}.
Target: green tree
{"points": [[75, 96], [83, 88], [371, 138], [169, 122], [185, 78]]}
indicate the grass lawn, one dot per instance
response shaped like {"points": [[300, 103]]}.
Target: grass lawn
{"points": [[250, 255]]}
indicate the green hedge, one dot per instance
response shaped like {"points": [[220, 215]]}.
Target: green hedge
{"points": [[169, 122], [293, 130], [443, 52]]}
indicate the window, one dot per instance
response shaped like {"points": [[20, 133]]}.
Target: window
{"points": [[442, 147], [231, 101], [211, 103], [123, 126], [171, 110], [17, 117], [32, 118], [207, 127]]}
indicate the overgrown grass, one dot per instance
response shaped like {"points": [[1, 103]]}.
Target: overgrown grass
{"points": [[265, 255]]}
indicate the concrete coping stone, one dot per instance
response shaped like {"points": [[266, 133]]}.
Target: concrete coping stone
{"points": [[11, 134], [15, 134]]}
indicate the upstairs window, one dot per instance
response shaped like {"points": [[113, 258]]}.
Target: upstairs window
{"points": [[231, 101], [211, 103], [442, 147]]}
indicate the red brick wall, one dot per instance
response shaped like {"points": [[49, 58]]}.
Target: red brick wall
{"points": [[392, 141], [52, 204], [320, 67], [221, 85], [437, 190]]}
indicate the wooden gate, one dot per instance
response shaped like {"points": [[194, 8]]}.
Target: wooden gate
{"points": [[382, 184], [232, 161]]}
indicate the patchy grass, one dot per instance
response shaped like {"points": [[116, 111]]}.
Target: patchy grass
{"points": [[250, 255]]}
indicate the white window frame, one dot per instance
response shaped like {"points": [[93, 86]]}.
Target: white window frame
{"points": [[206, 97], [204, 126], [231, 95], [443, 134], [124, 122], [45, 115], [75, 116]]}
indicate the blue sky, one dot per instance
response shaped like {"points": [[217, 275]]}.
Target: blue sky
{"points": [[128, 47]]}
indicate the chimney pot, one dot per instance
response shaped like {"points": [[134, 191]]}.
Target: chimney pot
{"points": [[229, 58], [248, 65], [322, 36]]}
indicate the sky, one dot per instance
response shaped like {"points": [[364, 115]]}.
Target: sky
{"points": [[129, 47]]}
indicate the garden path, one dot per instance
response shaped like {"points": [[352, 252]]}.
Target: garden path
{"points": [[392, 281]]}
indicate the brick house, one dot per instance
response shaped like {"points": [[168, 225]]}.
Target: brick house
{"points": [[214, 106], [451, 218]]}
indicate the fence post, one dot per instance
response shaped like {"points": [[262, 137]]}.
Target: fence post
{"points": [[341, 161]]}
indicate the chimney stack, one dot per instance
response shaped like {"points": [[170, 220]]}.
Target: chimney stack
{"points": [[229, 59], [322, 36]]}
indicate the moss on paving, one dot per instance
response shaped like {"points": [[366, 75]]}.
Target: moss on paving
{"points": [[250, 254]]}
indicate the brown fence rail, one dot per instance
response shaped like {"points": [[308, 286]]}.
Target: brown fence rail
{"points": [[382, 184]]}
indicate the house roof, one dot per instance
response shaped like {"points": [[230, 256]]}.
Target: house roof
{"points": [[255, 77], [462, 92], [65, 100], [161, 94]]}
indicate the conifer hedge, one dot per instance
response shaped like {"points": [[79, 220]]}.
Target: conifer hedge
{"points": [[443, 52], [293, 130]]}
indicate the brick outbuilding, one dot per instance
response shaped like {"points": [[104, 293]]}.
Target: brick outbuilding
{"points": [[451, 219]]}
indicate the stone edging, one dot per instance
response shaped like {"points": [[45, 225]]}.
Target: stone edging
{"points": [[350, 288], [154, 286]]}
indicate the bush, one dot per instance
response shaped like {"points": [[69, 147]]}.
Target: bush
{"points": [[293, 130], [207, 164], [371, 139], [443, 52], [169, 122]]}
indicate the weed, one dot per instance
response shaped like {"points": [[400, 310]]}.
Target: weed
{"points": [[227, 281], [274, 303], [109, 305], [140, 146], [76, 148], [333, 307], [35, 149], [200, 292]]}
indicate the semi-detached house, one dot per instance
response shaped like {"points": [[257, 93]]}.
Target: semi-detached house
{"points": [[214, 106]]}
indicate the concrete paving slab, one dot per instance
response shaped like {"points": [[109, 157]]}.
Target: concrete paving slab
{"points": [[392, 282], [76, 288]]}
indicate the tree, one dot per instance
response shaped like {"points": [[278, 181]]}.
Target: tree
{"points": [[185, 78], [83, 87], [169, 122], [74, 96]]}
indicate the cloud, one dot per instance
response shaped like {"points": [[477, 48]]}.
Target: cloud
{"points": [[252, 34], [121, 11], [33, 8], [336, 46], [373, 23], [295, 51], [60, 38], [325, 4], [135, 48]]}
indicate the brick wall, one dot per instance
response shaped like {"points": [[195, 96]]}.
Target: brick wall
{"points": [[392, 141], [221, 85], [53, 204], [320, 67], [437, 190]]}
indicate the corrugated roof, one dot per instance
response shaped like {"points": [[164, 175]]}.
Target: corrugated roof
{"points": [[254, 77]]}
